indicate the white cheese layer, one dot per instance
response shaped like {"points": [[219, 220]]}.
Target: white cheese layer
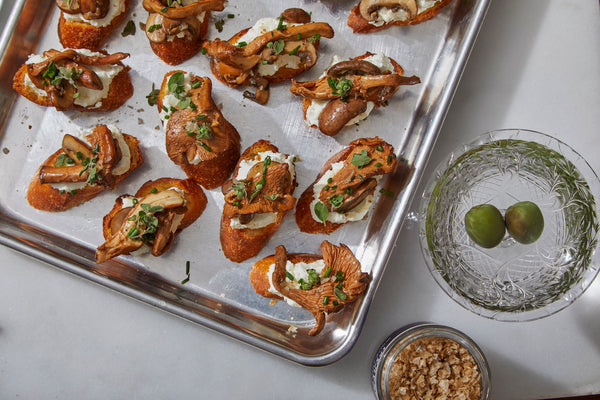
{"points": [[386, 15], [259, 221], [298, 271], [355, 214], [169, 101], [261, 27], [282, 61], [87, 97], [122, 166], [316, 106], [263, 219]]}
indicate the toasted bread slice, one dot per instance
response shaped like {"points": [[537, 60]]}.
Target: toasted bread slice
{"points": [[120, 224], [176, 33], [198, 137], [45, 197], [326, 285], [289, 48], [241, 243], [354, 180], [359, 24], [120, 89], [88, 34], [390, 77]]}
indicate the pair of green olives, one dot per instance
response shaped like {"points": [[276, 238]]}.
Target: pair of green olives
{"points": [[486, 227]]}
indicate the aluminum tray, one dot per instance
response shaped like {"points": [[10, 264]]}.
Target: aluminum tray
{"points": [[219, 294]]}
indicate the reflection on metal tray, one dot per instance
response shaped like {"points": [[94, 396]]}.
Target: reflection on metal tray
{"points": [[219, 294]]}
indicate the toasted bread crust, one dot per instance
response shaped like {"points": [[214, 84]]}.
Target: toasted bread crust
{"points": [[304, 219], [77, 35], [259, 274], [195, 198], [178, 50], [361, 25], [241, 244], [46, 198], [120, 90]]}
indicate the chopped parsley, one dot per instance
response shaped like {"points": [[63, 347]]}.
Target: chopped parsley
{"points": [[340, 87], [240, 190], [387, 193], [187, 273], [360, 160], [152, 97], [336, 200], [281, 26], [146, 223], [277, 46], [295, 50], [129, 29], [219, 25], [154, 27], [321, 211], [314, 38]]}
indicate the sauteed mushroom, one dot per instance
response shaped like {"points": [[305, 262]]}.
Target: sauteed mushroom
{"points": [[61, 72], [368, 8], [90, 9], [274, 56]]}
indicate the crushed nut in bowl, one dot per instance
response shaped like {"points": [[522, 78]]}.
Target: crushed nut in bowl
{"points": [[427, 361]]}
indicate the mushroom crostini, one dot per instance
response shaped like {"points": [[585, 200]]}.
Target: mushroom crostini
{"points": [[256, 200], [78, 79], [343, 191], [322, 284], [198, 137], [373, 15], [85, 166], [273, 50], [159, 210], [87, 23], [176, 28], [349, 91]]}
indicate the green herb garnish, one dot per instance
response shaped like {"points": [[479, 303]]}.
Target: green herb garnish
{"points": [[129, 29], [340, 87], [321, 211], [336, 200], [360, 159]]}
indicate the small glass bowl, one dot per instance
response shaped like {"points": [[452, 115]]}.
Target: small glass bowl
{"points": [[513, 281], [403, 337]]}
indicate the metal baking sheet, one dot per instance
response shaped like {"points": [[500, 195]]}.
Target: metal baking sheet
{"points": [[218, 294]]}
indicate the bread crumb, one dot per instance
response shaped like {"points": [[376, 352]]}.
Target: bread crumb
{"points": [[435, 368]]}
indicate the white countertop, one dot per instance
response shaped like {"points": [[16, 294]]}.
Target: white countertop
{"points": [[535, 65]]}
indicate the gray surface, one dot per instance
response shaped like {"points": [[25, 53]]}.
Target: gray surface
{"points": [[535, 65]]}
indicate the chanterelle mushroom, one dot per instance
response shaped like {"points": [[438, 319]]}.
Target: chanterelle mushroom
{"points": [[368, 8], [141, 225], [90, 9], [350, 86], [81, 162], [341, 282], [287, 49], [62, 72]]}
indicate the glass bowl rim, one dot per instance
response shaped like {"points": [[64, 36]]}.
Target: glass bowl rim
{"points": [[586, 171]]}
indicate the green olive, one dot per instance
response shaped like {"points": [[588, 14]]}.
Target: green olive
{"points": [[485, 225], [524, 222]]}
